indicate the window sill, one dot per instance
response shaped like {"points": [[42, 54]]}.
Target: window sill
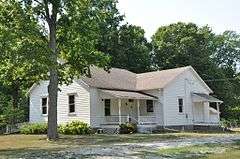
{"points": [[150, 112], [44, 115], [72, 114], [181, 113]]}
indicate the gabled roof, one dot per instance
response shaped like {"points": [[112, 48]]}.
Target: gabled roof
{"points": [[122, 79], [114, 79], [158, 79]]}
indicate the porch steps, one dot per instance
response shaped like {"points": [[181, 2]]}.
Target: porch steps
{"points": [[108, 130]]}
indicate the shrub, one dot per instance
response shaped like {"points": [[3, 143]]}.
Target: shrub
{"points": [[74, 128], [128, 128], [35, 128]]}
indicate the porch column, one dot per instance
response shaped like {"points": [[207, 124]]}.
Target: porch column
{"points": [[218, 110], [206, 111], [119, 111], [138, 110]]}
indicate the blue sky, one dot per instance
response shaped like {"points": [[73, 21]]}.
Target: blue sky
{"points": [[221, 15]]}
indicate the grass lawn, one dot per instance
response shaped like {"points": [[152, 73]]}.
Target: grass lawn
{"points": [[206, 151], [13, 145], [40, 141]]}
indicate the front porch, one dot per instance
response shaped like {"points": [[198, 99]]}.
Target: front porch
{"points": [[124, 106], [205, 110]]}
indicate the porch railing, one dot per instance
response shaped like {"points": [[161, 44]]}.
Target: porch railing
{"points": [[205, 123], [114, 119], [146, 120]]}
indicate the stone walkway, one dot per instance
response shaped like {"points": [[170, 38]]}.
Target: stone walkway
{"points": [[129, 150]]}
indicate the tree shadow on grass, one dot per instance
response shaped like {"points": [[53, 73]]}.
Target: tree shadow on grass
{"points": [[113, 139], [38, 153]]}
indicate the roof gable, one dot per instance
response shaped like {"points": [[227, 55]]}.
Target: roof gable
{"points": [[158, 79]]}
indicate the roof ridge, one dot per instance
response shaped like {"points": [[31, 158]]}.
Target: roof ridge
{"points": [[158, 71]]}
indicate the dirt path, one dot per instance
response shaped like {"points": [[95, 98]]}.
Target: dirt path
{"points": [[128, 150]]}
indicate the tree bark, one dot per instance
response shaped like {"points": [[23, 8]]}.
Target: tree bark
{"points": [[53, 84], [15, 95]]}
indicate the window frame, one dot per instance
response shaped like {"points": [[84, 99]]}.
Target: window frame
{"points": [[46, 105], [180, 106], [72, 104], [107, 109], [150, 108]]}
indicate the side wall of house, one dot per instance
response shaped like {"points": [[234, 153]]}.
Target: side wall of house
{"points": [[82, 103], [96, 109], [181, 87], [158, 105]]}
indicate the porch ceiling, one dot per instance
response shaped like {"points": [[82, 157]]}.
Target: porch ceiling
{"points": [[128, 94], [201, 97]]}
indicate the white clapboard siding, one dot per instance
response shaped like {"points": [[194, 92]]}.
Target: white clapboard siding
{"points": [[181, 87], [82, 103], [158, 105]]}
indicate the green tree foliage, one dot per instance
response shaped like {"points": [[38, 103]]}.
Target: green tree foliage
{"points": [[131, 51], [215, 57], [20, 39], [183, 44]]}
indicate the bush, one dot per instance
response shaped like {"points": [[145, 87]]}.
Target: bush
{"points": [[230, 123], [35, 128], [74, 128], [128, 128]]}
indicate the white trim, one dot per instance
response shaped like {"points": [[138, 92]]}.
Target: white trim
{"points": [[199, 78]]}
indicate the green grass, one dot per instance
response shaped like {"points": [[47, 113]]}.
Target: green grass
{"points": [[15, 145], [40, 141], [205, 151]]}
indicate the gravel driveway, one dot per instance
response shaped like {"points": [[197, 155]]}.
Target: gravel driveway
{"points": [[128, 150]]}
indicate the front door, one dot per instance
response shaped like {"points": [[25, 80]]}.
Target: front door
{"points": [[132, 111]]}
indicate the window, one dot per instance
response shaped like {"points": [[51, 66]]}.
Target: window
{"points": [[107, 104], [130, 100], [149, 106], [180, 105], [44, 106], [71, 103]]}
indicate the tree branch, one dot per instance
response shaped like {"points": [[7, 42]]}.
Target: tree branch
{"points": [[47, 16]]}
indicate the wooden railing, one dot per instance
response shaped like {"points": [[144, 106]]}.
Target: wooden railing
{"points": [[147, 120], [114, 119]]}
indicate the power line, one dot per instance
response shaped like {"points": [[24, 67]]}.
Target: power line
{"points": [[222, 79]]}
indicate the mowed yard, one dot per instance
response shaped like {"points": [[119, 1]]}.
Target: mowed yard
{"points": [[169, 145]]}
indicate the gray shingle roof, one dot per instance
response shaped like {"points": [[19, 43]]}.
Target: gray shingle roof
{"points": [[207, 97], [128, 94], [125, 80]]}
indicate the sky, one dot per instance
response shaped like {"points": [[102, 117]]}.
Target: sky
{"points": [[220, 15]]}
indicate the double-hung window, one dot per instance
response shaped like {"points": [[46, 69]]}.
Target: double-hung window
{"points": [[150, 106], [107, 104], [71, 103], [180, 105], [44, 106]]}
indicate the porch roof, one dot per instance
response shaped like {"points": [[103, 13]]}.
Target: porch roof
{"points": [[128, 94], [198, 97]]}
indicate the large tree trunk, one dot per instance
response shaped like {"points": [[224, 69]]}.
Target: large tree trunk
{"points": [[15, 94], [53, 85]]}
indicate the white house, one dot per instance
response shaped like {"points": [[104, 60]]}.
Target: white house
{"points": [[176, 98]]}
